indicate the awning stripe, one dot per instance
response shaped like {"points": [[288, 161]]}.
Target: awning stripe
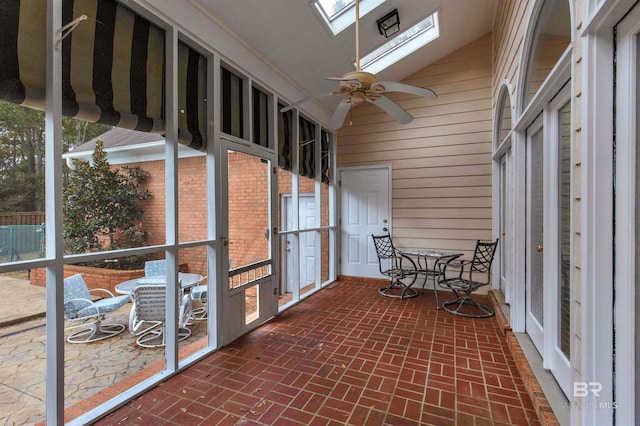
{"points": [[284, 138], [325, 176], [306, 160], [112, 66], [192, 108], [11, 88], [103, 62]]}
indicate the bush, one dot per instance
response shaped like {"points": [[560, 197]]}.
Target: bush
{"points": [[102, 210]]}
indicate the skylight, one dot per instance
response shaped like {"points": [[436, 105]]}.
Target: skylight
{"points": [[339, 14], [402, 45]]}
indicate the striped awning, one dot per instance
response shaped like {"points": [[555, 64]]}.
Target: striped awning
{"points": [[306, 153], [284, 138], [113, 67], [325, 140]]}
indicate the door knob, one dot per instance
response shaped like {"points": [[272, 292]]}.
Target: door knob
{"points": [[539, 248], [385, 229]]}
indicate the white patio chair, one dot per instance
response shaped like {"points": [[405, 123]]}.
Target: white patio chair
{"points": [[150, 305], [199, 294], [155, 268], [87, 314]]}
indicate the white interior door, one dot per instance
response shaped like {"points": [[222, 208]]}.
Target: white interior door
{"points": [[535, 232], [365, 210], [307, 242]]}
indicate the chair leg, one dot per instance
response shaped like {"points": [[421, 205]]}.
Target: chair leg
{"points": [[95, 332], [155, 337], [466, 299], [396, 286]]}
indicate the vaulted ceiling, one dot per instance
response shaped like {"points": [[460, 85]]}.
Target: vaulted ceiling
{"points": [[291, 36]]}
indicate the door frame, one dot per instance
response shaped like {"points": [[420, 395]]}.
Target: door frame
{"points": [[389, 170], [553, 358], [626, 176]]}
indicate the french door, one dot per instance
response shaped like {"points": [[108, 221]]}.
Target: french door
{"points": [[535, 234], [249, 284], [506, 214], [549, 230]]}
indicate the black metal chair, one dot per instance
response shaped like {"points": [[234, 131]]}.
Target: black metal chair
{"points": [[400, 269], [461, 277]]}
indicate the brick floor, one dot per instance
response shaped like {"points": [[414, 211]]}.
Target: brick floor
{"points": [[348, 355]]}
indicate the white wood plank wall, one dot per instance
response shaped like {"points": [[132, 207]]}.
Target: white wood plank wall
{"points": [[441, 190]]}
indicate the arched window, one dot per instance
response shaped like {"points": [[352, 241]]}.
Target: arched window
{"points": [[551, 36], [503, 115]]}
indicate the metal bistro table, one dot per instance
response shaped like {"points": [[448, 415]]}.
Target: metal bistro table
{"points": [[435, 257], [186, 280]]}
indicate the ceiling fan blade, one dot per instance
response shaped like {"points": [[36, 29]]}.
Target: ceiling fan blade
{"points": [[392, 86], [340, 114], [391, 108], [309, 99]]}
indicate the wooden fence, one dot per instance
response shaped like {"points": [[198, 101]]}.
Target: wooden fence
{"points": [[21, 218]]}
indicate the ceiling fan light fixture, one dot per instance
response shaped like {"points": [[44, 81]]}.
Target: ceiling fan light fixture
{"points": [[389, 24]]}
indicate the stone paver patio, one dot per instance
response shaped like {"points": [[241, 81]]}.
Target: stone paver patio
{"points": [[89, 368]]}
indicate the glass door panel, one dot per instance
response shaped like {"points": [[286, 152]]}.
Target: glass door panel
{"points": [[535, 210], [564, 227]]}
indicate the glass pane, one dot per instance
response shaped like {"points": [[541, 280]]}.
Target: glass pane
{"points": [[251, 305], [22, 348], [564, 226], [504, 120], [285, 165], [288, 263], [332, 8], [22, 197], [324, 253], [194, 299], [325, 178], [248, 181], [260, 118], [192, 198], [113, 355], [308, 261], [113, 204], [536, 210], [551, 37], [307, 174], [232, 104]]}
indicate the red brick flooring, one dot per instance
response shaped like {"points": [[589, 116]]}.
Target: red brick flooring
{"points": [[347, 355]]}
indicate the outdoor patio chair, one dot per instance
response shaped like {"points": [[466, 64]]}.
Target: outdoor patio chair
{"points": [[199, 294], [155, 268], [400, 269], [463, 277], [150, 305], [86, 314]]}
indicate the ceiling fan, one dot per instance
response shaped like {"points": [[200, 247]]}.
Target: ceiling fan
{"points": [[360, 86]]}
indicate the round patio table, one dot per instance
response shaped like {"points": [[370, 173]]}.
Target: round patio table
{"points": [[186, 280]]}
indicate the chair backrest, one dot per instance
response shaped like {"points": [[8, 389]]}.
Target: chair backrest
{"points": [[483, 256], [75, 288], [384, 246], [155, 268], [150, 302]]}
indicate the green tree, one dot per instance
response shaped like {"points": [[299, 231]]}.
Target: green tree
{"points": [[22, 154], [102, 208]]}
